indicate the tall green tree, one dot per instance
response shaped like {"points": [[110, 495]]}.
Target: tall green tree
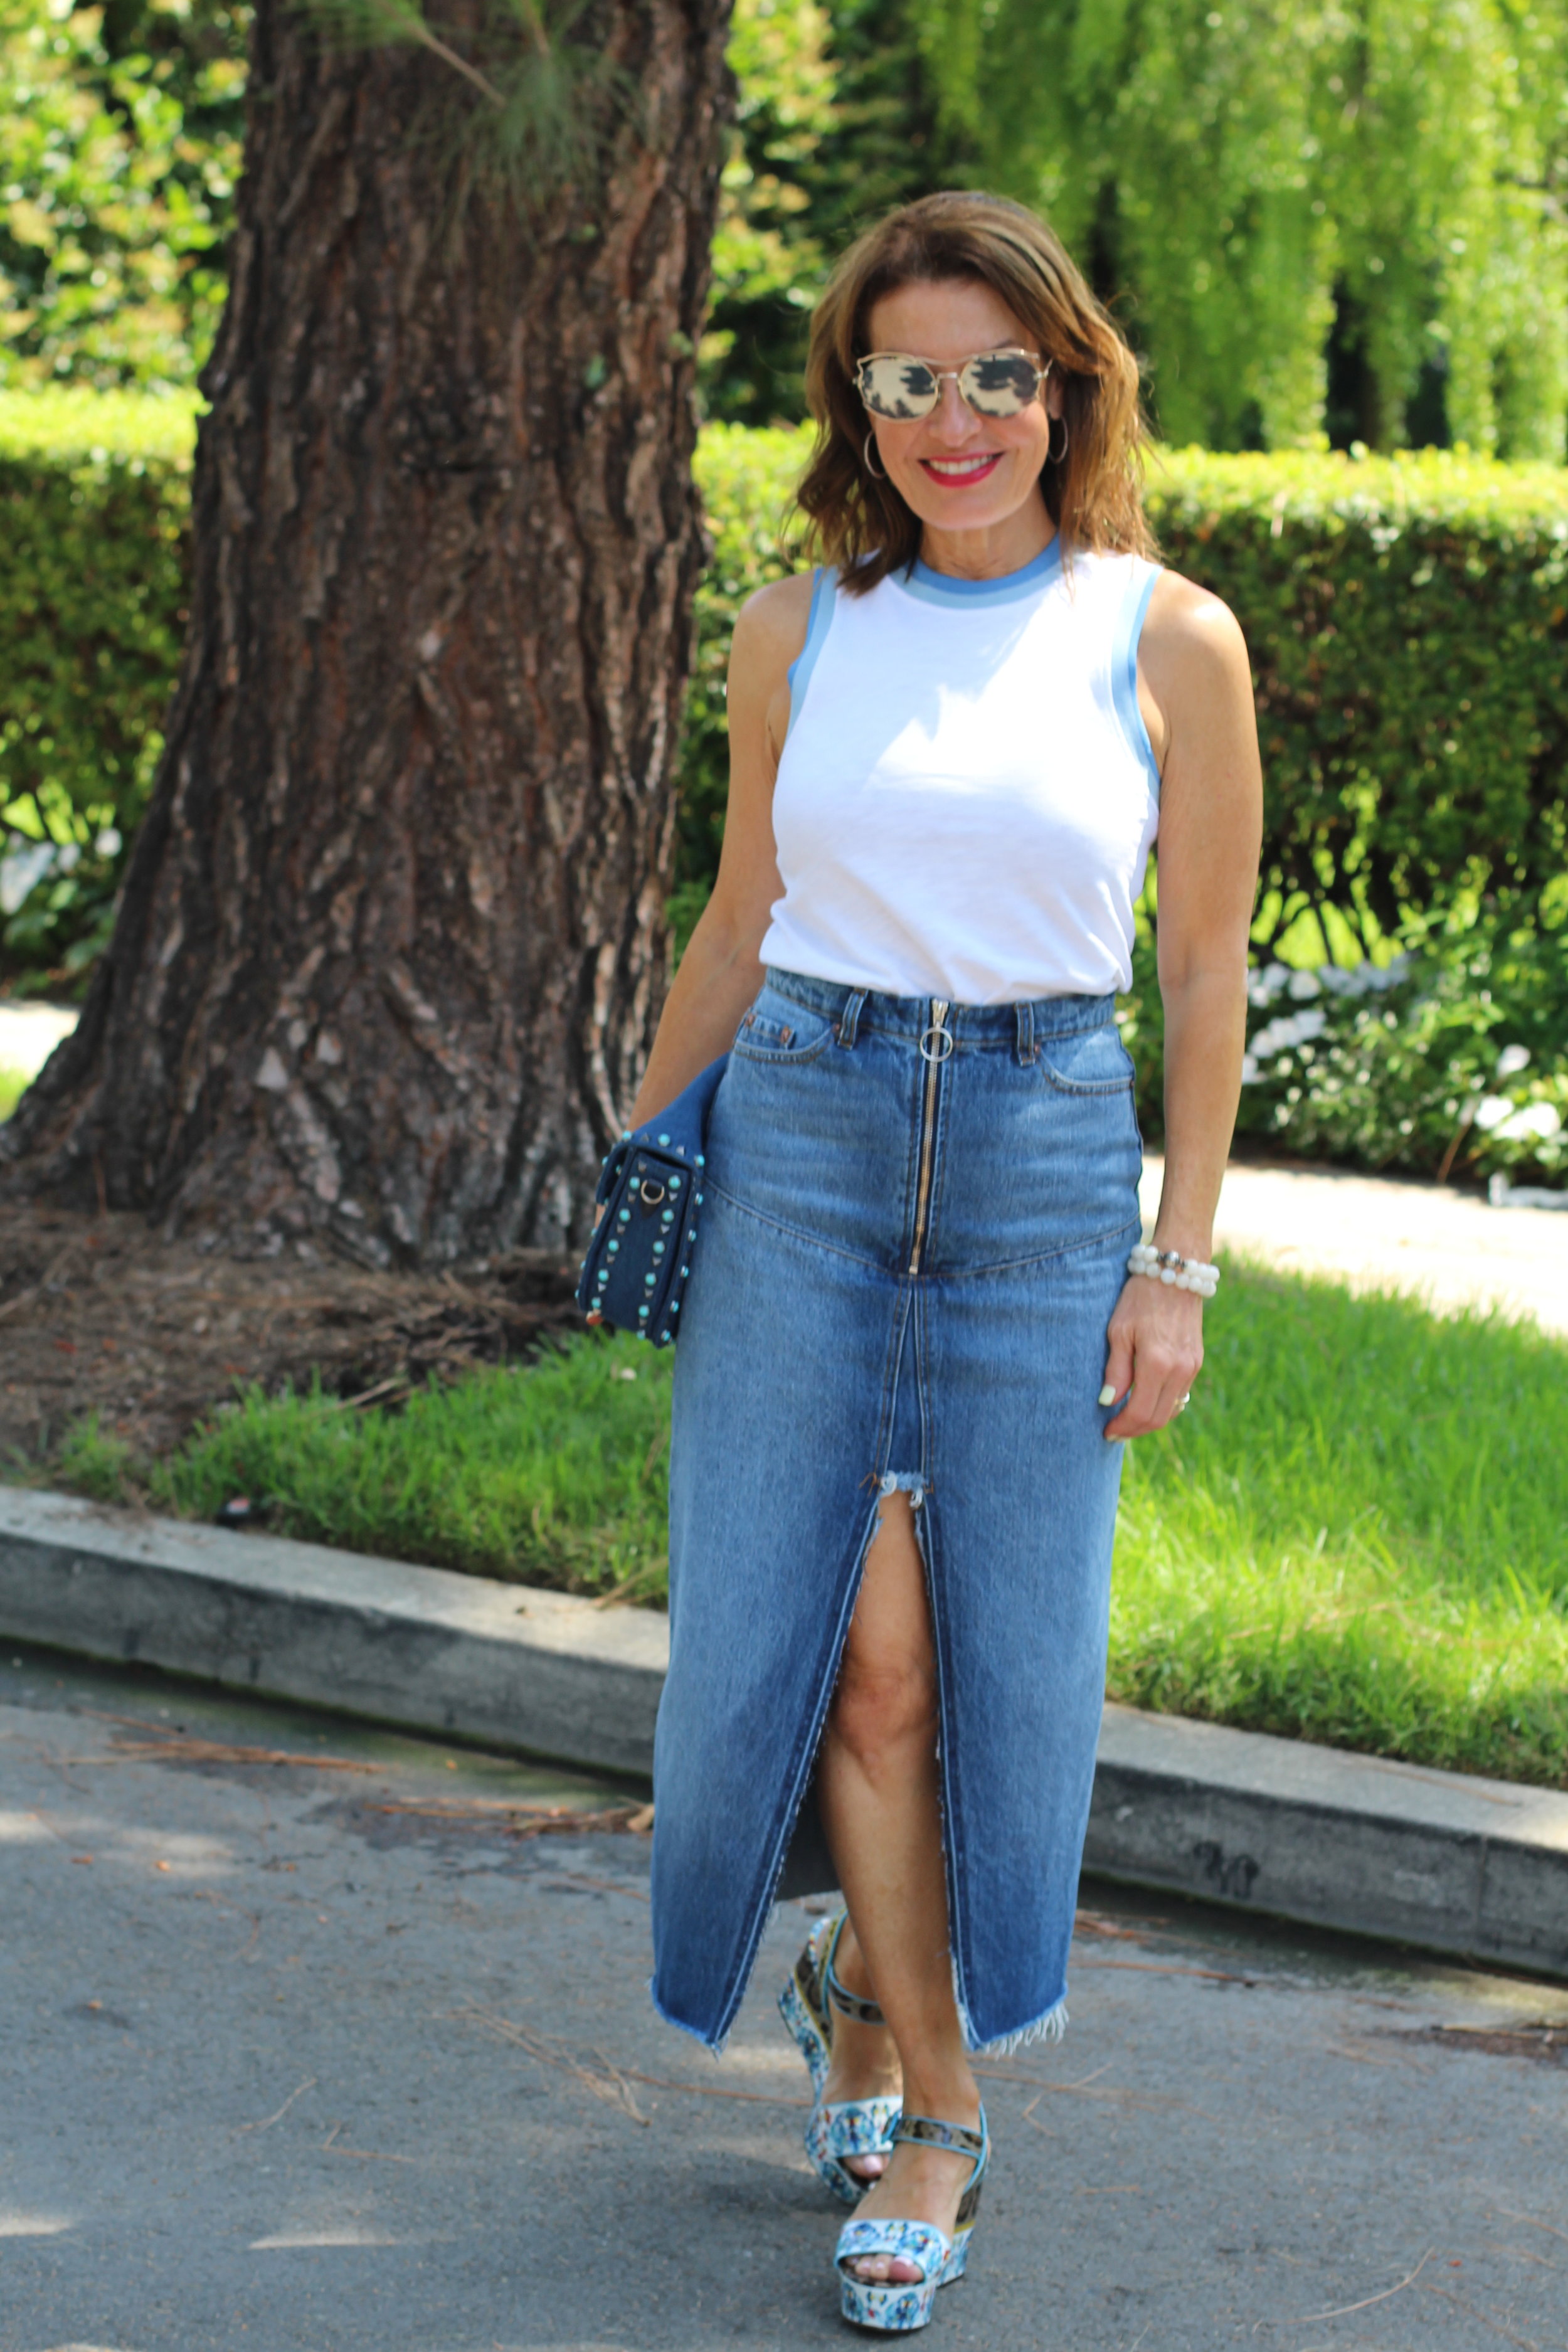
{"points": [[1271, 183]]}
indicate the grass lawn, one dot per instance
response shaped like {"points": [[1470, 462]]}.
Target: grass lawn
{"points": [[1358, 1534], [13, 1086]]}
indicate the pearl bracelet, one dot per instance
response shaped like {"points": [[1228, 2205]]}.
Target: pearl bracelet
{"points": [[1170, 1267]]}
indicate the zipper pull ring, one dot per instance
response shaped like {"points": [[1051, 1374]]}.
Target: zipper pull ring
{"points": [[937, 1028]]}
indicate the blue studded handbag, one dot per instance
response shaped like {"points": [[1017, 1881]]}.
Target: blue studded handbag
{"points": [[639, 1260]]}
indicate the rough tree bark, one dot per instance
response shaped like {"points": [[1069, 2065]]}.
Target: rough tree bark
{"points": [[392, 945]]}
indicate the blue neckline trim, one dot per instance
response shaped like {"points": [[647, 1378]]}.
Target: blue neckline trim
{"points": [[934, 587]]}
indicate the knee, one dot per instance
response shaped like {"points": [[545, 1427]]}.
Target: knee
{"points": [[883, 1708]]}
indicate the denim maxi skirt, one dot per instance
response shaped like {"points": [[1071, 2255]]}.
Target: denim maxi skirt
{"points": [[914, 1234]]}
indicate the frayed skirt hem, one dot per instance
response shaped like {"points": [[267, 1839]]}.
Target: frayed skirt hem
{"points": [[1049, 2027]]}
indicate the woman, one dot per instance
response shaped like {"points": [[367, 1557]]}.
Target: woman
{"points": [[893, 1490]]}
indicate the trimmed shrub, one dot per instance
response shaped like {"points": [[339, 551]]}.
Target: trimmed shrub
{"points": [[94, 496], [1408, 622]]}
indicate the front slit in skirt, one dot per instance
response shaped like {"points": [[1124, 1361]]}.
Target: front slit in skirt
{"points": [[913, 1233]]}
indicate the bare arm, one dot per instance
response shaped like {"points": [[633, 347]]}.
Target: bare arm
{"points": [[720, 972], [1196, 689]]}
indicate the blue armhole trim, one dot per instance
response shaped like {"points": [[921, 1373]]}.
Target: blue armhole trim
{"points": [[819, 620], [1124, 675]]}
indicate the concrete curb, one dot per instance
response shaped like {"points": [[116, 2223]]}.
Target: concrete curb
{"points": [[500, 1665], [1475, 1868]]}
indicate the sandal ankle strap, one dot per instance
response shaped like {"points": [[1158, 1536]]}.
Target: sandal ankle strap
{"points": [[848, 2004], [851, 2004], [930, 2131]]}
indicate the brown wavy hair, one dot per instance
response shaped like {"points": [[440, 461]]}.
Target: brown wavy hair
{"points": [[1094, 496]]}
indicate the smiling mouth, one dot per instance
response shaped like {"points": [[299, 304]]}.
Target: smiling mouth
{"points": [[962, 471]]}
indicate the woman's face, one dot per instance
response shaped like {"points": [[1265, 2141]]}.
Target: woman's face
{"points": [[956, 470]]}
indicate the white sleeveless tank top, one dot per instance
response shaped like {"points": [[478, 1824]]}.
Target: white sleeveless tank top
{"points": [[966, 794]]}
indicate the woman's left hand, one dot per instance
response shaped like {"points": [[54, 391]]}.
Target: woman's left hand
{"points": [[1156, 1352]]}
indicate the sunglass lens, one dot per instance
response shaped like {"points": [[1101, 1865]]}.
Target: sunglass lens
{"points": [[898, 387], [1000, 383]]}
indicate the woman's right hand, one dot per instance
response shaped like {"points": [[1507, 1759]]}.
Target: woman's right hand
{"points": [[1155, 1353]]}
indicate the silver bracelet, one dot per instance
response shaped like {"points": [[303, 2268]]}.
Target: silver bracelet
{"points": [[1172, 1268]]}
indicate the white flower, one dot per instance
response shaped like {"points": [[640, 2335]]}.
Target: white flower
{"points": [[22, 871], [1290, 1029], [1492, 1111], [1304, 984], [1249, 1070], [1362, 979], [1540, 1119], [1263, 987], [1512, 1060]]}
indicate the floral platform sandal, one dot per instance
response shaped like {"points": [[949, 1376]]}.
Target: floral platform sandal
{"points": [[847, 2128], [897, 2307]]}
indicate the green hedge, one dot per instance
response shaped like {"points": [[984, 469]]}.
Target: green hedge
{"points": [[94, 496], [1408, 621]]}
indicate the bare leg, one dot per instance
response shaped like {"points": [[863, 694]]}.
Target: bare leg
{"points": [[877, 1781]]}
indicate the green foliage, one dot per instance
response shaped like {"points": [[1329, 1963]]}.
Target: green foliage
{"points": [[92, 1461], [747, 479], [1250, 171], [1452, 1059], [119, 144], [836, 124], [1346, 217], [1357, 1533], [1406, 619], [556, 1473], [94, 496], [769, 263]]}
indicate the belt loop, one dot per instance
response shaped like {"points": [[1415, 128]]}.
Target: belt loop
{"points": [[849, 1019], [1026, 1017]]}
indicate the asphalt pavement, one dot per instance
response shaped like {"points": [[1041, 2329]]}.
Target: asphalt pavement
{"points": [[321, 2055]]}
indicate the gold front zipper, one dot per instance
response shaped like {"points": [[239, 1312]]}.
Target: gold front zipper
{"points": [[936, 1044]]}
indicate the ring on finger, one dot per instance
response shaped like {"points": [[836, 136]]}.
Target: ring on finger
{"points": [[1182, 1402]]}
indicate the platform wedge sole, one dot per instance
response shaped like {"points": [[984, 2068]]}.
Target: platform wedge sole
{"points": [[898, 2307]]}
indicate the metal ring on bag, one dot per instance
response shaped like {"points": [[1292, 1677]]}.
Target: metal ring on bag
{"points": [[945, 1035], [650, 1194]]}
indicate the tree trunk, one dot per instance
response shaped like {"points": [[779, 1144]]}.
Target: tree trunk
{"points": [[391, 947]]}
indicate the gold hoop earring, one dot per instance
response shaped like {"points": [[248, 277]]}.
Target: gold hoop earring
{"points": [[1056, 457], [875, 471]]}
